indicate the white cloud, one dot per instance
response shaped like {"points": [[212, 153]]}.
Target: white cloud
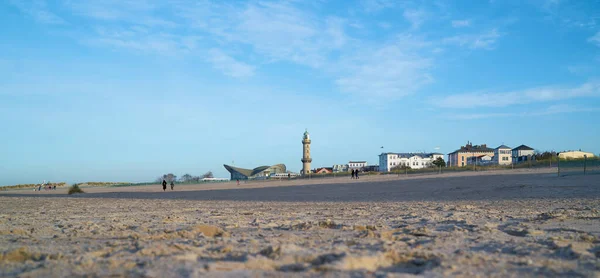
{"points": [[376, 5], [384, 25], [228, 65], [550, 110], [542, 94], [137, 39], [38, 10], [276, 31], [484, 40], [595, 39], [386, 72], [461, 23], [139, 12], [270, 32], [415, 17]]}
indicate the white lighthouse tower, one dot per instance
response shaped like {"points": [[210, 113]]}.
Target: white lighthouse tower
{"points": [[306, 159]]}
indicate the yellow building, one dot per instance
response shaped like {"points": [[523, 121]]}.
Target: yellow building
{"points": [[575, 155], [502, 155], [460, 157]]}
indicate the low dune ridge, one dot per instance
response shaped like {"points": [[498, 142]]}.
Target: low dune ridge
{"points": [[505, 224]]}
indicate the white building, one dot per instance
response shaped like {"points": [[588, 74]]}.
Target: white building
{"points": [[522, 153], [388, 161], [502, 155], [337, 168], [481, 160], [575, 154], [357, 165]]}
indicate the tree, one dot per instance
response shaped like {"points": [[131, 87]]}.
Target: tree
{"points": [[439, 162], [208, 174], [544, 155], [400, 167], [169, 177], [186, 178]]}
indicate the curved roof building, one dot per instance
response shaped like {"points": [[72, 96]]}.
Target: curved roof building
{"points": [[261, 171]]}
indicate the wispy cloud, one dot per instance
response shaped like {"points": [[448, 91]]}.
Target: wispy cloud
{"points": [[139, 12], [38, 10], [550, 110], [390, 71], [140, 39], [485, 40], [595, 39], [415, 17], [376, 5], [270, 32], [502, 99], [228, 65], [275, 31], [461, 23]]}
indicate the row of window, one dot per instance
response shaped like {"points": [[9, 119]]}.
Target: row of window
{"points": [[414, 163]]}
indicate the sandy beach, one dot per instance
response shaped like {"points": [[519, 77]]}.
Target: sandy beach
{"points": [[488, 224]]}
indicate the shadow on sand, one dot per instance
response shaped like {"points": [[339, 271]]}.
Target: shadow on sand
{"points": [[485, 187]]}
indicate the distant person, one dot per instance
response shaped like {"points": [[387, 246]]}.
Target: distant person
{"points": [[39, 188], [356, 174], [164, 184], [54, 188], [353, 173], [289, 176], [238, 181], [172, 185]]}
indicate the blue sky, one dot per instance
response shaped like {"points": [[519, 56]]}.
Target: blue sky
{"points": [[121, 90]]}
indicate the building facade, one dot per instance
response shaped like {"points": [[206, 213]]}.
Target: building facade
{"points": [[256, 173], [337, 168], [357, 165], [460, 157], [522, 153], [481, 160], [575, 155], [388, 161], [306, 159], [324, 170], [502, 155], [372, 168]]}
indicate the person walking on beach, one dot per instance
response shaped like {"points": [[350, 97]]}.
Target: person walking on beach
{"points": [[356, 174], [172, 185], [164, 184], [352, 172]]}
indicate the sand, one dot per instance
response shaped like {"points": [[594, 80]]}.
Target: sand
{"points": [[494, 224]]}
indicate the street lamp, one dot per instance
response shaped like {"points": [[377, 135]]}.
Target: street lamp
{"points": [[584, 163], [558, 163]]}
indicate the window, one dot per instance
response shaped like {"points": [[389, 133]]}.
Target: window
{"points": [[462, 158]]}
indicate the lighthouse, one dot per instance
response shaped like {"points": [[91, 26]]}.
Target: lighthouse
{"points": [[306, 159]]}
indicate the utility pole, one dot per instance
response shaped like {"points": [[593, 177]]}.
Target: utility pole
{"points": [[558, 163]]}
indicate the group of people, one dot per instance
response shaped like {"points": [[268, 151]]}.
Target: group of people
{"points": [[354, 173], [164, 184], [46, 186]]}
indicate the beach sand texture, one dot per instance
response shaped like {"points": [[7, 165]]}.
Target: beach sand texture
{"points": [[505, 224]]}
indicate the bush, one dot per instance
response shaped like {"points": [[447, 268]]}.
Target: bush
{"points": [[75, 189]]}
